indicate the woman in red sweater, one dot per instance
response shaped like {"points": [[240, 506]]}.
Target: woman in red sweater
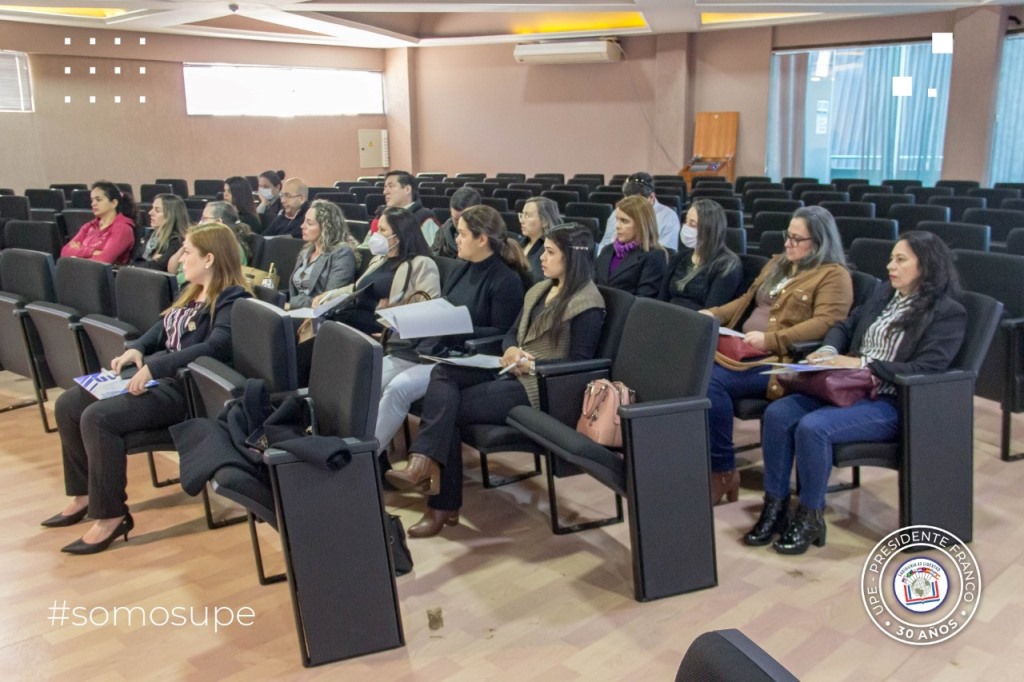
{"points": [[110, 237]]}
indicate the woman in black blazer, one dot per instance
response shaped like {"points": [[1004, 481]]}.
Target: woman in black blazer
{"points": [[92, 432], [539, 215], [634, 261], [912, 325], [705, 273]]}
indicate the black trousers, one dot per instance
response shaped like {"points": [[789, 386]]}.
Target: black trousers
{"points": [[458, 396], [92, 439]]}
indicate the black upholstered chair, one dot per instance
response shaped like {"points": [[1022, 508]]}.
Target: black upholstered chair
{"points": [[585, 209], [149, 192], [871, 256], [729, 656], [179, 186], [25, 276], [74, 219], [282, 252], [83, 287], [958, 205], [844, 184], [776, 206], [15, 207], [872, 228], [884, 202], [923, 194], [731, 203], [790, 182], [663, 468], [800, 188], [935, 451], [959, 187], [265, 351], [736, 240], [1001, 221], [857, 192], [815, 197], [772, 243], [849, 209], [68, 188], [1015, 241], [909, 216], [901, 186], [142, 296], [995, 196], [752, 195], [1001, 377], [767, 221], [960, 235], [54, 200], [34, 235], [743, 182]]}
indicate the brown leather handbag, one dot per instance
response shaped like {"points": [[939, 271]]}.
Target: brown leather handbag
{"points": [[839, 387], [600, 418]]}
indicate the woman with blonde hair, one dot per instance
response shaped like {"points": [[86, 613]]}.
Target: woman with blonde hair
{"points": [[169, 220], [327, 261], [634, 261], [92, 432]]}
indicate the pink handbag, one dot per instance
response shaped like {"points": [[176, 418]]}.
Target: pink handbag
{"points": [[600, 418]]}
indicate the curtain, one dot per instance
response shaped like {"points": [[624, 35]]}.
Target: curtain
{"points": [[1008, 136], [787, 99]]}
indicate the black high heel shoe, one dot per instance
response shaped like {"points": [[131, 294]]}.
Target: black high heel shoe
{"points": [[61, 520], [82, 547]]}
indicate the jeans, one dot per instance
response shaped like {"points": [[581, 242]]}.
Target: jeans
{"points": [[402, 383], [805, 428], [727, 385]]}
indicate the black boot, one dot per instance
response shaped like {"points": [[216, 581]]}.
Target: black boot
{"points": [[807, 527], [774, 519]]}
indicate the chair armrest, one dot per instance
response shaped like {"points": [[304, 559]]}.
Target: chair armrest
{"points": [[926, 379], [1012, 323], [556, 369], [801, 349], [276, 456], [490, 345], [659, 408]]}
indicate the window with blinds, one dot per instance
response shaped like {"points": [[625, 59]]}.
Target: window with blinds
{"points": [[15, 85]]}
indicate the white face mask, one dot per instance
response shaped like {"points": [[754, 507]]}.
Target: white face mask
{"points": [[379, 244], [689, 236], [266, 193]]}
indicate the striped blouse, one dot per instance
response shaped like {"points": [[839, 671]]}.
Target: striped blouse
{"points": [[178, 321], [880, 341]]}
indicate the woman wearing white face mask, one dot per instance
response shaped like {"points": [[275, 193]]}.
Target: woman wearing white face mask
{"points": [[705, 273], [327, 261], [270, 203], [401, 271]]}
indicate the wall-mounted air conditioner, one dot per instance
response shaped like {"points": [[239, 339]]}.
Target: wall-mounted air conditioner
{"points": [[568, 52]]}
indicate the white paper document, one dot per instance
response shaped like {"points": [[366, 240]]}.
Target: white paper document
{"points": [[795, 368], [320, 310], [725, 331], [105, 384], [429, 318], [478, 361]]}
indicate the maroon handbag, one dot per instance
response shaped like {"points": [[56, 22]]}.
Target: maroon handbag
{"points": [[840, 387], [735, 348]]}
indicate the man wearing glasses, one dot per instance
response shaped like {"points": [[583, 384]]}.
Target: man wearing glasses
{"points": [[400, 192], [668, 221], [294, 204]]}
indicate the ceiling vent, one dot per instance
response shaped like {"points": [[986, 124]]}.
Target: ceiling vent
{"points": [[574, 52]]}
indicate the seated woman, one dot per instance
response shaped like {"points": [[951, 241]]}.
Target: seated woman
{"points": [[238, 193], [634, 261], [270, 203], [110, 236], [327, 261], [217, 212], [797, 297], [92, 431], [169, 220], [913, 325], [539, 215], [561, 320], [400, 272], [488, 282], [705, 273]]}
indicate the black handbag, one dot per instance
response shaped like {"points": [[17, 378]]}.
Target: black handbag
{"points": [[399, 549]]}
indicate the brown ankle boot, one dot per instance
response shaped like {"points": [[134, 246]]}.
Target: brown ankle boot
{"points": [[419, 470], [725, 484], [432, 523]]}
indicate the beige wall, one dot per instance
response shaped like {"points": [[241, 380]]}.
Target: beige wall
{"points": [[137, 143], [480, 111], [456, 109]]}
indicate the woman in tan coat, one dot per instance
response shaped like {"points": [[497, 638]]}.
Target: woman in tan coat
{"points": [[797, 297]]}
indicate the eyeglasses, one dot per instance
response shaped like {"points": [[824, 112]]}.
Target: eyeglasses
{"points": [[795, 240], [286, 196]]}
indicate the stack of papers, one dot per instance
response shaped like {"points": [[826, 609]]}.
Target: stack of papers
{"points": [[790, 368], [478, 361], [429, 318]]}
